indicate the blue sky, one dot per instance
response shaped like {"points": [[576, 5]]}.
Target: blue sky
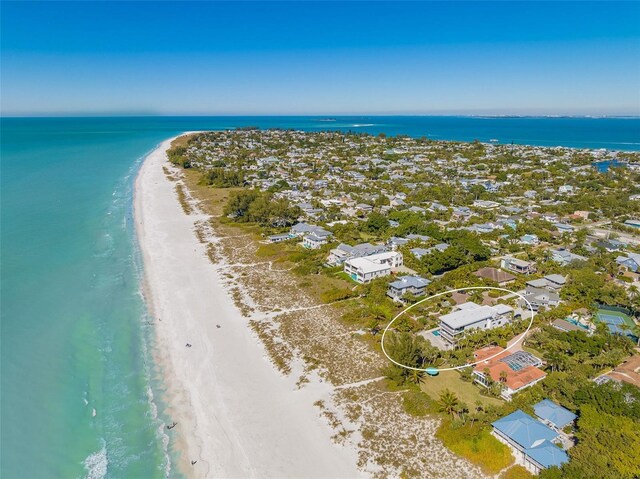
{"points": [[320, 58]]}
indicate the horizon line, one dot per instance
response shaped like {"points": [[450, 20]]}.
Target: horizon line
{"points": [[310, 115]]}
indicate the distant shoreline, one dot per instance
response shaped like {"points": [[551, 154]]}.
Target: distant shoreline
{"points": [[619, 133]]}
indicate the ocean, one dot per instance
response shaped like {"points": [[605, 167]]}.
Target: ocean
{"points": [[81, 396]]}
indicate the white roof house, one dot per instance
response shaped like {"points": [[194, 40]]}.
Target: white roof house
{"points": [[365, 269], [473, 316]]}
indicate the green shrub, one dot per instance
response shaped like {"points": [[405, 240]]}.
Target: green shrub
{"points": [[516, 472], [417, 403], [476, 445]]}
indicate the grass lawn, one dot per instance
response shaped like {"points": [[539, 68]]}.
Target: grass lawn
{"points": [[466, 392], [344, 276]]}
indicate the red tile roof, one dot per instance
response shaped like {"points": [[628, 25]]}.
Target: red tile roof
{"points": [[515, 379]]}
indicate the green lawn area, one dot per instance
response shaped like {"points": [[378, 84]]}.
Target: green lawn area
{"points": [[344, 276], [466, 392]]}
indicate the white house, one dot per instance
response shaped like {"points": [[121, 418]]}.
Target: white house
{"points": [[316, 239], [365, 269], [343, 252], [468, 316]]}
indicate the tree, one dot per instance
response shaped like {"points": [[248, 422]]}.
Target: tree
{"points": [[416, 376], [608, 447], [239, 203], [404, 349], [376, 223], [448, 403]]}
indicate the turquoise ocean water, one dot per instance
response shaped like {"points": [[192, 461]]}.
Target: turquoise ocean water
{"points": [[79, 391]]}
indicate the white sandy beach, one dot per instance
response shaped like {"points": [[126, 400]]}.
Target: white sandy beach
{"points": [[237, 415]]}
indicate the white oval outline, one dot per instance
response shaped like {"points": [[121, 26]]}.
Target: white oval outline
{"points": [[468, 365]]}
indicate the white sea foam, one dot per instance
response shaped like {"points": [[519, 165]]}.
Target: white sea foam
{"points": [[96, 464], [161, 432], [357, 125]]}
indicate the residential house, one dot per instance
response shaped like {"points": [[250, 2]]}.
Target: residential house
{"points": [[552, 282], [628, 372], [469, 316], [419, 253], [302, 229], [514, 371], [567, 326], [417, 209], [279, 238], [564, 257], [313, 237], [553, 415], [364, 208], [610, 245], [435, 206], [343, 252], [316, 239], [531, 240], [367, 268], [631, 262], [496, 275], [530, 441], [486, 205], [564, 227], [555, 281], [415, 285], [518, 265], [540, 298], [416, 237], [394, 242], [461, 212], [581, 214], [482, 227]]}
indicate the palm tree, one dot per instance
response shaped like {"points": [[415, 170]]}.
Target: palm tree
{"points": [[416, 376], [503, 376], [448, 403], [462, 410]]}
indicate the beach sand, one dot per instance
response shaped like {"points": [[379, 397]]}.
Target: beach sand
{"points": [[237, 416]]}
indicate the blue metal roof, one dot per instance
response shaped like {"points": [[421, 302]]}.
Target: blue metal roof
{"points": [[554, 413], [547, 454], [524, 430]]}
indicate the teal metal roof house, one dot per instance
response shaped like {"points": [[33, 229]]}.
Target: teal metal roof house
{"points": [[530, 441], [553, 414]]}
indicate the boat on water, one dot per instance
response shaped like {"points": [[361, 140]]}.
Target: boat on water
{"points": [[493, 140], [327, 119]]}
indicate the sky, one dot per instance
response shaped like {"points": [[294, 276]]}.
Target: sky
{"points": [[299, 58]]}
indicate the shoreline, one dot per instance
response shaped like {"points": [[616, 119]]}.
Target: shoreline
{"points": [[237, 415]]}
